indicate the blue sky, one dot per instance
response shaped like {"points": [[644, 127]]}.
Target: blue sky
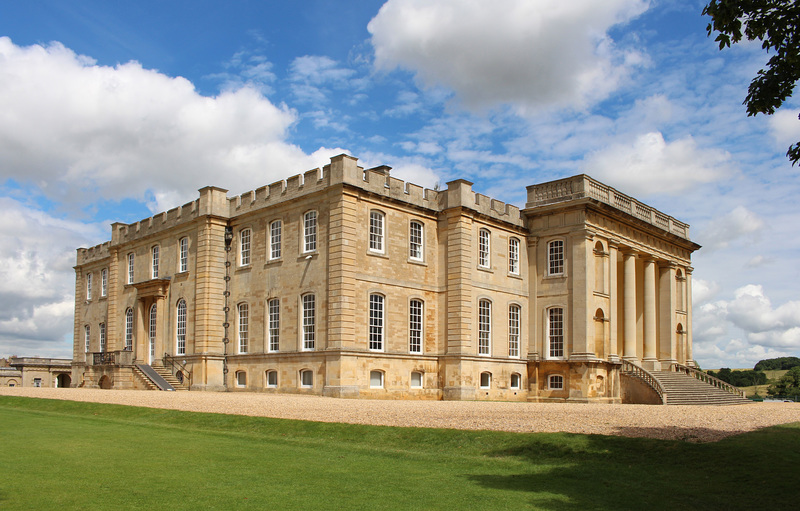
{"points": [[112, 111]]}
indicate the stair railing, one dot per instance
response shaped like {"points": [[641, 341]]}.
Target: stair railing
{"points": [[646, 376], [175, 366], [707, 378]]}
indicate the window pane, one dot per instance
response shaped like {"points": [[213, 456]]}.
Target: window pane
{"points": [[484, 326], [275, 234], [376, 379], [513, 331], [244, 312], [87, 337], [416, 379], [152, 331], [310, 231], [244, 248], [555, 251], [184, 255], [104, 282], [309, 321], [88, 286], [555, 327], [274, 318], [415, 326], [181, 330], [376, 231], [515, 379], [375, 322], [307, 378], [129, 329], [486, 380], [415, 241], [513, 256], [483, 248], [155, 262], [102, 337], [241, 378], [130, 268], [272, 378]]}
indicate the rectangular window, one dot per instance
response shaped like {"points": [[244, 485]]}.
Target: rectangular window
{"points": [[130, 268], [104, 282], [555, 382], [155, 262], [102, 337], [87, 337], [272, 378], [152, 331], [88, 286], [375, 322], [415, 241], [555, 257], [513, 331], [484, 326], [244, 247], [483, 248], [416, 380], [415, 326], [275, 239], [37, 382], [129, 329], [181, 329], [310, 231], [309, 321], [555, 331], [513, 256], [244, 312], [274, 327], [376, 231], [184, 255]]}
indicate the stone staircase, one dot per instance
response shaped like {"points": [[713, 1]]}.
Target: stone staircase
{"points": [[171, 379], [683, 389]]}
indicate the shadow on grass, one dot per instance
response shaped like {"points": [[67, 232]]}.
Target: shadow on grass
{"points": [[748, 471]]}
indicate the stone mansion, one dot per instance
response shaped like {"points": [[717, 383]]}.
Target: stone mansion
{"points": [[347, 282]]}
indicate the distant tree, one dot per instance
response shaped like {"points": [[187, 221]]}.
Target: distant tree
{"points": [[775, 24], [740, 378], [788, 385], [773, 364]]}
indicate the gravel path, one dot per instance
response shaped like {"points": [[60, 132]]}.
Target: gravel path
{"points": [[693, 423]]}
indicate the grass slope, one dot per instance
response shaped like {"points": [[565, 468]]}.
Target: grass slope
{"points": [[71, 455]]}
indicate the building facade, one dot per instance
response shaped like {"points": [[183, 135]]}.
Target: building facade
{"points": [[35, 372], [347, 282]]}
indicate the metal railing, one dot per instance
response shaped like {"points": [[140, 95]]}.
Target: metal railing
{"points": [[104, 358], [707, 378], [646, 376], [177, 368]]}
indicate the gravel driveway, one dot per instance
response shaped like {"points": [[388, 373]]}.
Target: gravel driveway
{"points": [[693, 423]]}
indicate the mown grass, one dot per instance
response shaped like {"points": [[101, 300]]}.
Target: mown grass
{"points": [[70, 455]]}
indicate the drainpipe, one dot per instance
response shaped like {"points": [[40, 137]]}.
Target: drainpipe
{"points": [[226, 308]]}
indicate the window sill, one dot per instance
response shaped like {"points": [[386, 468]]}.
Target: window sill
{"points": [[240, 269], [377, 254], [273, 262], [313, 254], [486, 269], [555, 276], [418, 262], [515, 276]]}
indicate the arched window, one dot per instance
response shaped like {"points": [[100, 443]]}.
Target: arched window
{"points": [[555, 257], [415, 314], [155, 260], [129, 329], [244, 247], [183, 255], [244, 317], [376, 326], [484, 242], [272, 378], [513, 256], [555, 332], [102, 337], [376, 379], [555, 382], [274, 324], [416, 380], [310, 231], [515, 380], [486, 380], [416, 241], [306, 378], [152, 331], [180, 333], [275, 236], [513, 330], [87, 337], [376, 227], [484, 327], [241, 379], [309, 321]]}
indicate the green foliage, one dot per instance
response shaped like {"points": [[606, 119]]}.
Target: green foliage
{"points": [[780, 363], [70, 455], [736, 378], [788, 385], [775, 24]]}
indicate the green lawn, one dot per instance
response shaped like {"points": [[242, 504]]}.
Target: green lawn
{"points": [[69, 455]]}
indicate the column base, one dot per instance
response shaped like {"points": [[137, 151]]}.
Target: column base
{"points": [[651, 364]]}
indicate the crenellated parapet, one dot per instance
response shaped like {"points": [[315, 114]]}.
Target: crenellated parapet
{"points": [[93, 254], [123, 233], [459, 194]]}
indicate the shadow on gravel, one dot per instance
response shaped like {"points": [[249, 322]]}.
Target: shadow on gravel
{"points": [[749, 471]]}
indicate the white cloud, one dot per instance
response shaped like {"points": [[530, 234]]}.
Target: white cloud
{"points": [[785, 127], [703, 291], [78, 130], [722, 231], [530, 54], [652, 165]]}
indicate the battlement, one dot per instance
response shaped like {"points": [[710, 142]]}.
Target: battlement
{"points": [[121, 233], [96, 253], [459, 194], [280, 191]]}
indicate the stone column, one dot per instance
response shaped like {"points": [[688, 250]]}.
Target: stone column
{"points": [[629, 306], [613, 313], [668, 304], [581, 338], [650, 360], [688, 298]]}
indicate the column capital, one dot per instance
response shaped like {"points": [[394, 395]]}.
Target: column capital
{"points": [[613, 243], [672, 265], [532, 240], [689, 270]]}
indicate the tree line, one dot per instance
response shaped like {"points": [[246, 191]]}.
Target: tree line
{"points": [[788, 385]]}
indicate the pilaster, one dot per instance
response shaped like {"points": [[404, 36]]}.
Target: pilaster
{"points": [[613, 313], [668, 304], [650, 360], [115, 339], [629, 306], [342, 230], [582, 283]]}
